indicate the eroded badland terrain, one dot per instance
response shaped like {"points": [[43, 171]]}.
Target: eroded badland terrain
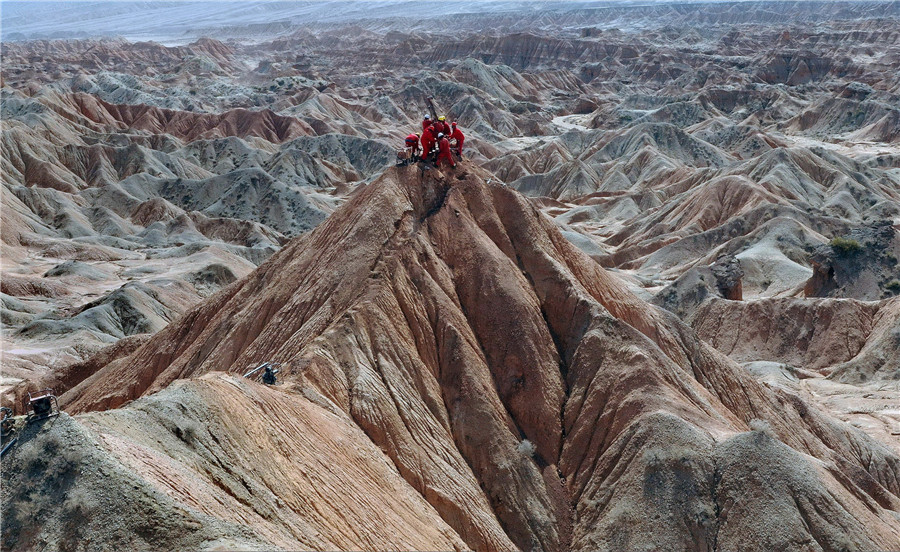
{"points": [[656, 306]]}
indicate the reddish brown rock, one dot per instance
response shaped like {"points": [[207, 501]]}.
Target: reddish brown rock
{"points": [[809, 334], [244, 123], [451, 321]]}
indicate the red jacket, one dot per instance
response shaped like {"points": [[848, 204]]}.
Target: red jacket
{"points": [[412, 141], [458, 136], [444, 152], [426, 123], [427, 140], [445, 128]]}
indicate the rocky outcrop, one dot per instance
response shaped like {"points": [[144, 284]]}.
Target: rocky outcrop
{"points": [[814, 335], [455, 322], [205, 466], [879, 358], [188, 126], [481, 383], [861, 265], [728, 273], [694, 287], [116, 54]]}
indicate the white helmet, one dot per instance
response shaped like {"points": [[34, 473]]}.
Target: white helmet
{"points": [[427, 116], [440, 135]]}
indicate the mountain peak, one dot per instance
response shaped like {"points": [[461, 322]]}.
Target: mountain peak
{"points": [[507, 376]]}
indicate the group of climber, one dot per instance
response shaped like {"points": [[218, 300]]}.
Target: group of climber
{"points": [[433, 143]]}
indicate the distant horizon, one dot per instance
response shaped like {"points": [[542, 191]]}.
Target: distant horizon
{"points": [[178, 21]]}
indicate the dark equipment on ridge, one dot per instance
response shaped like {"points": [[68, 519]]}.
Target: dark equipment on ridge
{"points": [[404, 158], [269, 371], [8, 446], [43, 404], [429, 101], [269, 376]]}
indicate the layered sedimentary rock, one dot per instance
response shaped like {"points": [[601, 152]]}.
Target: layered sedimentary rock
{"points": [[582, 418], [457, 371], [657, 147]]}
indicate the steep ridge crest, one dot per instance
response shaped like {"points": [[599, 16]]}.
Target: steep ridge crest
{"points": [[453, 322]]}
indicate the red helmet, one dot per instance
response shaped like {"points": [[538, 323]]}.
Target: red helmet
{"points": [[453, 123]]}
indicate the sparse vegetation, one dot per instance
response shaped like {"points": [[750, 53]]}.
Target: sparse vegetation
{"points": [[47, 468], [63, 462], [845, 246], [186, 431], [526, 448], [79, 502], [50, 459], [893, 286], [762, 426]]}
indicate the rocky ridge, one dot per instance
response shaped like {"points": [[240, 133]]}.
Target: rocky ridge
{"points": [[720, 163], [597, 382]]}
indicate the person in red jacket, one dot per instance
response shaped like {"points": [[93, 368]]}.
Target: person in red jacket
{"points": [[444, 151], [427, 142], [426, 122], [412, 146], [444, 127], [458, 136]]}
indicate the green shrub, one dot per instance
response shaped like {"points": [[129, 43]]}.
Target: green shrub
{"points": [[845, 246], [893, 286]]}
